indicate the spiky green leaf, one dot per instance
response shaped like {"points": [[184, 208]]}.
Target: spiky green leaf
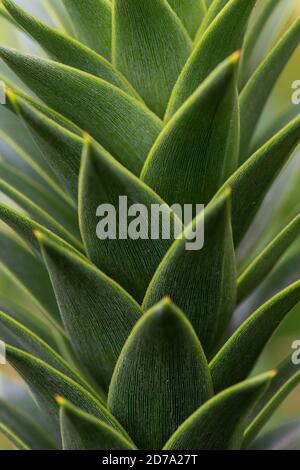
{"points": [[106, 317], [29, 271], [92, 21], [209, 274], [123, 125], [61, 148], [161, 377], [25, 228], [223, 37], [219, 423], [24, 427], [46, 382], [40, 215], [82, 431], [259, 268], [102, 182], [237, 357], [66, 50], [150, 47], [286, 380], [258, 89], [31, 343], [191, 13], [252, 180], [198, 149]]}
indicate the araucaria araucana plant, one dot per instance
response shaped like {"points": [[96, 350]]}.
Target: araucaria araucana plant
{"points": [[131, 344]]}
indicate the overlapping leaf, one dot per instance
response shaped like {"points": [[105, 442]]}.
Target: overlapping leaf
{"points": [[25, 228], [252, 180], [36, 192], [61, 148], [14, 422], [40, 215], [282, 384], [92, 21], [81, 431], [66, 50], [214, 9], [12, 91], [253, 39], [198, 148], [258, 89], [24, 315], [102, 182], [191, 13], [150, 47], [227, 32], [29, 271], [258, 269], [123, 125], [90, 302], [236, 359], [201, 282], [31, 343], [45, 382], [162, 354], [219, 423]]}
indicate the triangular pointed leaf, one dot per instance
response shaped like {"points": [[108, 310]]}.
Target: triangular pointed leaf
{"points": [[39, 214], [25, 184], [218, 424], [198, 149], [12, 90], [258, 89], [31, 343], [252, 180], [25, 228], [214, 9], [98, 325], [59, 16], [22, 426], [211, 50], [202, 282], [25, 316], [60, 147], [46, 382], [66, 50], [191, 13], [236, 359], [29, 271], [107, 186], [149, 53], [16, 138], [119, 122], [286, 380], [92, 21], [161, 377], [253, 39], [260, 267], [82, 431]]}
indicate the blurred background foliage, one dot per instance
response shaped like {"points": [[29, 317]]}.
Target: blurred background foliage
{"points": [[281, 203]]}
